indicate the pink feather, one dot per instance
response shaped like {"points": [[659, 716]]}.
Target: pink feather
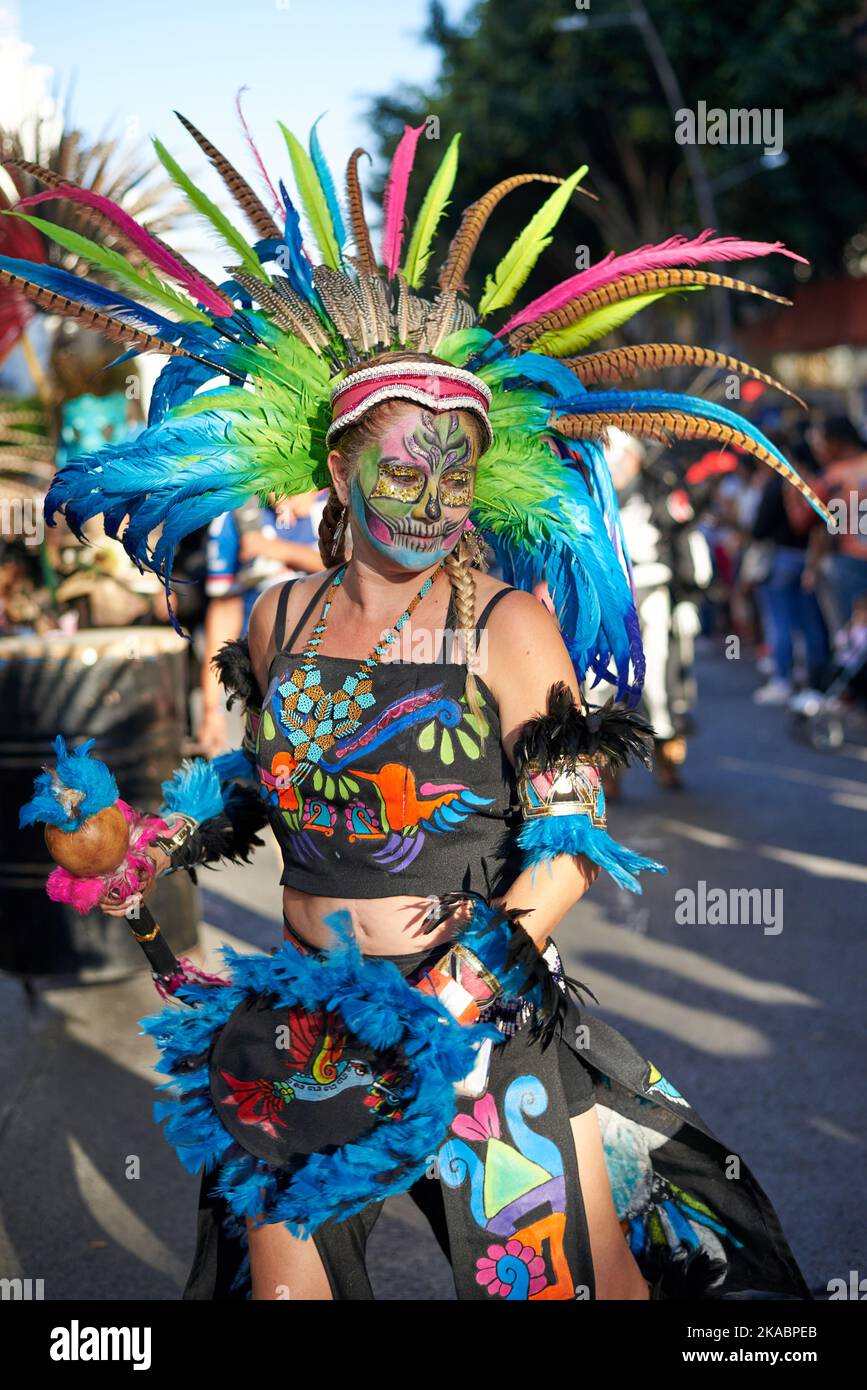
{"points": [[189, 974], [278, 206], [676, 251], [394, 198], [132, 875], [158, 254]]}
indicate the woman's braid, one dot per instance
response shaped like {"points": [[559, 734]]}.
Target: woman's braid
{"points": [[462, 579], [332, 531]]}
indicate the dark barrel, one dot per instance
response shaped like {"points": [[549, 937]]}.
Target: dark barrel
{"points": [[125, 688]]}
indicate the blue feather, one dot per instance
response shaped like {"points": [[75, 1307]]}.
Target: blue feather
{"points": [[299, 271], [547, 837], [93, 295], [230, 766], [178, 381], [78, 771], [194, 790], [326, 179]]}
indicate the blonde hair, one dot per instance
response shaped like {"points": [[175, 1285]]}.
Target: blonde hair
{"points": [[461, 562]]}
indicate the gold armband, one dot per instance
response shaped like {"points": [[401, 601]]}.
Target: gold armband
{"points": [[569, 786]]}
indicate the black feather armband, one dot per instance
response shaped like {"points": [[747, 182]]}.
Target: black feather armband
{"points": [[236, 675], [609, 734], [215, 804]]}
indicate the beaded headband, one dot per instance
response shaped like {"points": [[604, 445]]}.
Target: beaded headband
{"points": [[439, 387]]}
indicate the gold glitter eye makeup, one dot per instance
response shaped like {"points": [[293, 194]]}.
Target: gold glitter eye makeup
{"points": [[456, 489], [400, 484]]}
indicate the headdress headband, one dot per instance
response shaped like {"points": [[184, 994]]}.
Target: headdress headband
{"points": [[427, 383]]}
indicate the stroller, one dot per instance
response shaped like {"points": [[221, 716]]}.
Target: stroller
{"points": [[841, 709]]}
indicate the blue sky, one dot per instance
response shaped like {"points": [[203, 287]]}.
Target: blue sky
{"points": [[133, 64], [298, 57]]}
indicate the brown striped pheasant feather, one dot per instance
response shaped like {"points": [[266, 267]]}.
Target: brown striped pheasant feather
{"points": [[248, 201], [357, 218], [112, 328], [629, 286], [620, 363], [473, 221], [658, 424]]}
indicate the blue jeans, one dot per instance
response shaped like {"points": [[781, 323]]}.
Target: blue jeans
{"points": [[791, 609], [848, 582]]}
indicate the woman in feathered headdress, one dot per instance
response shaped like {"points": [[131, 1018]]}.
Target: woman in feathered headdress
{"points": [[440, 812]]}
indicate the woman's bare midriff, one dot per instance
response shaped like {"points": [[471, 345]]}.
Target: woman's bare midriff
{"points": [[382, 926]]}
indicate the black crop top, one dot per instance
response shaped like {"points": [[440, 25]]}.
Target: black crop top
{"points": [[412, 802]]}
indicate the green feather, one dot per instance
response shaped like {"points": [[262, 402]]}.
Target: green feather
{"points": [[588, 329], [203, 204], [515, 481], [522, 255], [435, 203], [116, 265], [459, 346], [281, 423], [313, 198]]}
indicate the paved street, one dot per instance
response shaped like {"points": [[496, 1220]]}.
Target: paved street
{"points": [[763, 1029]]}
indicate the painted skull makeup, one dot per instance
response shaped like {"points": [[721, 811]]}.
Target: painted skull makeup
{"points": [[412, 492]]}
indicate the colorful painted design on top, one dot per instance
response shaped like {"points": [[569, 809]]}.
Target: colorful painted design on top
{"points": [[314, 718], [656, 1083], [386, 806]]}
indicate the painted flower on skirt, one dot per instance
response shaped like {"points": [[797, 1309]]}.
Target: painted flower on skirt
{"points": [[496, 1270]]}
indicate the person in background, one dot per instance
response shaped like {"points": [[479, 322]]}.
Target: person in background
{"points": [[848, 666], [666, 550], [249, 549], [842, 455], [788, 602]]}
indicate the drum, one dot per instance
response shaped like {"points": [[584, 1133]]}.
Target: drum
{"points": [[127, 689]]}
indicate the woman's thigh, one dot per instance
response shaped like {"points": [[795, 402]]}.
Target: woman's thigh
{"points": [[615, 1271], [283, 1266], [328, 1265]]}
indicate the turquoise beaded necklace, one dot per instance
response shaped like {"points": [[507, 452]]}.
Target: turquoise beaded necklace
{"points": [[315, 718]]}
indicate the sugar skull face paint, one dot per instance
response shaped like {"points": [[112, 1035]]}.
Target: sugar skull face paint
{"points": [[412, 493]]}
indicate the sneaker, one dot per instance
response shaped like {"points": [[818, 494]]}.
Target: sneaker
{"points": [[806, 702], [776, 692]]}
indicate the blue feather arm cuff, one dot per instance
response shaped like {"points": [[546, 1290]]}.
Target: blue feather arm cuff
{"points": [[558, 757], [548, 837]]}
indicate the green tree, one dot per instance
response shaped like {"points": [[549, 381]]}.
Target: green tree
{"points": [[530, 96]]}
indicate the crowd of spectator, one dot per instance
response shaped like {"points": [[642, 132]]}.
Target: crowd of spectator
{"points": [[789, 585]]}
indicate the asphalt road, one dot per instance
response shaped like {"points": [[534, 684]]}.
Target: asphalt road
{"points": [[761, 1025]]}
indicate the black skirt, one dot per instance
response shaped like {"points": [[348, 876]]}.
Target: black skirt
{"points": [[503, 1192]]}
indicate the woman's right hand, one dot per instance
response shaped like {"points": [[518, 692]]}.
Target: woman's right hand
{"points": [[161, 862]]}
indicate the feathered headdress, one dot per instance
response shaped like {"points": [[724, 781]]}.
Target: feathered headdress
{"points": [[300, 309]]}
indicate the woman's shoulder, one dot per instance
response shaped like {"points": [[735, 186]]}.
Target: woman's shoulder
{"points": [[508, 610], [492, 594], [261, 634], [524, 652], [263, 614]]}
